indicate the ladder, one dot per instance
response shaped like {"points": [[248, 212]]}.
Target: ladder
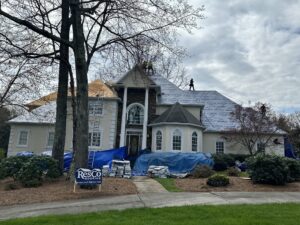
{"points": [[91, 159]]}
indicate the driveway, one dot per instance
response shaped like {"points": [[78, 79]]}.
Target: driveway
{"points": [[152, 200]]}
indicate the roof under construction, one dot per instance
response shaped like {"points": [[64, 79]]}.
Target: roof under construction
{"points": [[95, 89]]}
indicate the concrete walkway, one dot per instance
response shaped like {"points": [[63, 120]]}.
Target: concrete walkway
{"points": [[145, 184], [152, 200]]}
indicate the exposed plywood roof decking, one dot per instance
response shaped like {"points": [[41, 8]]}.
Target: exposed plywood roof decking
{"points": [[96, 89]]}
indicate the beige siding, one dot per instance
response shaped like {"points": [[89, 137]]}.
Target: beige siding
{"points": [[210, 139], [37, 138], [38, 133], [108, 125], [186, 138]]}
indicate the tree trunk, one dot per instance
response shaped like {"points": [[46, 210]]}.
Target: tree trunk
{"points": [[62, 93], [81, 156]]}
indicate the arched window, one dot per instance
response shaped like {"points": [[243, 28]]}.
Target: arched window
{"points": [[194, 141], [158, 140], [177, 140], [135, 114]]}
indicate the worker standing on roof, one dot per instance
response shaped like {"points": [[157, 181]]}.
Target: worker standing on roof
{"points": [[148, 66], [192, 84]]}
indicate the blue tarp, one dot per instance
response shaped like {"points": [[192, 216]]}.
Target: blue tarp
{"points": [[177, 162], [102, 158], [67, 160], [97, 159], [289, 149]]}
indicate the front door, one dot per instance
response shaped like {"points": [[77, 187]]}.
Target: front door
{"points": [[133, 142]]}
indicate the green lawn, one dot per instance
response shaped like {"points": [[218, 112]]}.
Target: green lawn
{"points": [[267, 214], [169, 184]]}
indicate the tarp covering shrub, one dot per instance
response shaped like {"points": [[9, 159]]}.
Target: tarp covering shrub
{"points": [[176, 162]]}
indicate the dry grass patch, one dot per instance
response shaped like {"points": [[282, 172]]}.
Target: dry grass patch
{"points": [[61, 190]]}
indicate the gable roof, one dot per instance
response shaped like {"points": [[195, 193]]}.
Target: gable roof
{"points": [[95, 89], [137, 77], [177, 114]]}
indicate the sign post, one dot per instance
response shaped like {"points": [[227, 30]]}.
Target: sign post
{"points": [[87, 176]]}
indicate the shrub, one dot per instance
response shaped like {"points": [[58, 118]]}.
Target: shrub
{"points": [[267, 169], [202, 171], [30, 175], [294, 169], [218, 180], [48, 165], [233, 171], [10, 166], [222, 162]]}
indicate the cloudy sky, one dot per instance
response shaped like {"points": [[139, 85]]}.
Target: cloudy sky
{"points": [[249, 50]]}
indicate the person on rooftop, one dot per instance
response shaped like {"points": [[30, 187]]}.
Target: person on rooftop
{"points": [[192, 85]]}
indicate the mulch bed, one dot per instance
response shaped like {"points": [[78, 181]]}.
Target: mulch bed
{"points": [[61, 190], [236, 184]]}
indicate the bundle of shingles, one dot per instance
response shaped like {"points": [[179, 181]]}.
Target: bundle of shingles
{"points": [[119, 168], [158, 171]]}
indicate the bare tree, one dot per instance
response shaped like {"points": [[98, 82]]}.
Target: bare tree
{"points": [[96, 27], [166, 60], [291, 125], [32, 47], [256, 127], [22, 80]]}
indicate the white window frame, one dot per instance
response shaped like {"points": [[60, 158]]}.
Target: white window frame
{"points": [[27, 138], [50, 132], [172, 139], [194, 132], [127, 113], [217, 147], [95, 128], [258, 146], [92, 107], [161, 136]]}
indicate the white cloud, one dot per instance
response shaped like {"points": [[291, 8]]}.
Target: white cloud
{"points": [[248, 50]]}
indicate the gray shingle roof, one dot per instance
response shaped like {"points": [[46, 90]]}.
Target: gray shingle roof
{"points": [[43, 115], [217, 108], [177, 114]]}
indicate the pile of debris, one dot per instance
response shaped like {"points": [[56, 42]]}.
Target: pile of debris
{"points": [[119, 168], [158, 171]]}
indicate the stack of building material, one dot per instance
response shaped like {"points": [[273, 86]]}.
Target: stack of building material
{"points": [[120, 169], [158, 171], [127, 171], [113, 172], [105, 171]]}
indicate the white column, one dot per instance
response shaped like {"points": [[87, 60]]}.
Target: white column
{"points": [[144, 141], [123, 123]]}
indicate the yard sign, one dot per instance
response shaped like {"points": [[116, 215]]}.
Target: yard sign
{"points": [[87, 176]]}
